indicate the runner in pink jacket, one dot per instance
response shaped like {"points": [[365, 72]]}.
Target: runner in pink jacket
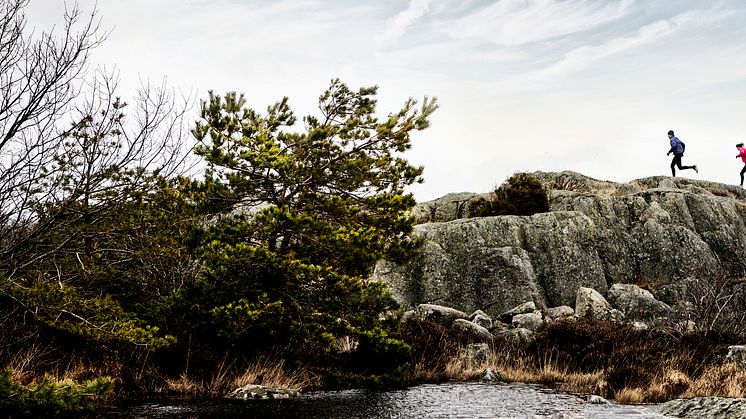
{"points": [[742, 155]]}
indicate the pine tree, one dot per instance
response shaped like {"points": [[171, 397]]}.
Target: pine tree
{"points": [[309, 215]]}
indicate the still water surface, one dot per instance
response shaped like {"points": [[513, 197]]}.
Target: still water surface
{"points": [[453, 400]]}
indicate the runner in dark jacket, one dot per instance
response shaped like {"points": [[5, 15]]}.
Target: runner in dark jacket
{"points": [[677, 148]]}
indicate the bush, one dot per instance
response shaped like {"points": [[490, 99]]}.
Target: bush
{"points": [[50, 395], [521, 194]]}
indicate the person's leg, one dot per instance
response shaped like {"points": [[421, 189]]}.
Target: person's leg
{"points": [[686, 167], [742, 172], [676, 162]]}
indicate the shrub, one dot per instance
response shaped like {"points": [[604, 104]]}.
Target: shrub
{"points": [[52, 395], [521, 194]]}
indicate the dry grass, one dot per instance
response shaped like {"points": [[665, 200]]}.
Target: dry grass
{"points": [[184, 385], [272, 373], [515, 366], [722, 192], [31, 363], [625, 364], [724, 380], [25, 362], [225, 378], [630, 395], [520, 368], [667, 385]]}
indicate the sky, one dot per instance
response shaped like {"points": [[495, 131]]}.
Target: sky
{"points": [[590, 86]]}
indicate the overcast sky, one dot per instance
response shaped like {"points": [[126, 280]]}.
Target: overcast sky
{"points": [[585, 85]]}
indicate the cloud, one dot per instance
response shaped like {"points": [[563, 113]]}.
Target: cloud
{"points": [[519, 22], [398, 25], [582, 57]]}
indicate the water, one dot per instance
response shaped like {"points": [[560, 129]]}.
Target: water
{"points": [[453, 400]]}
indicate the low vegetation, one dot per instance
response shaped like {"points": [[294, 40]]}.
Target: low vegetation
{"points": [[616, 362], [521, 194]]}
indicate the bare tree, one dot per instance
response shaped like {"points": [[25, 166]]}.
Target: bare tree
{"points": [[70, 147], [717, 304], [40, 77], [112, 152]]}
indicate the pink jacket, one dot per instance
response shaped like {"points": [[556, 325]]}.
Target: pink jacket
{"points": [[742, 154]]}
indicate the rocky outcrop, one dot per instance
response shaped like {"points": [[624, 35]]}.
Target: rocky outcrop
{"points": [[495, 263], [705, 408], [657, 231], [450, 207]]}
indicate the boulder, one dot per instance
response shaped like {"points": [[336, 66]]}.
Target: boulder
{"points": [[441, 315], [640, 326], [527, 307], [520, 336], [737, 354], [637, 303], [483, 319], [490, 376], [554, 313], [531, 321], [595, 399], [257, 391], [472, 331], [591, 305]]}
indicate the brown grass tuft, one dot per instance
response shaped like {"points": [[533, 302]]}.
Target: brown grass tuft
{"points": [[723, 380], [184, 385], [272, 373], [722, 192], [226, 377], [666, 386], [630, 395]]}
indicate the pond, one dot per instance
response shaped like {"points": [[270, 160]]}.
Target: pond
{"points": [[451, 400]]}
